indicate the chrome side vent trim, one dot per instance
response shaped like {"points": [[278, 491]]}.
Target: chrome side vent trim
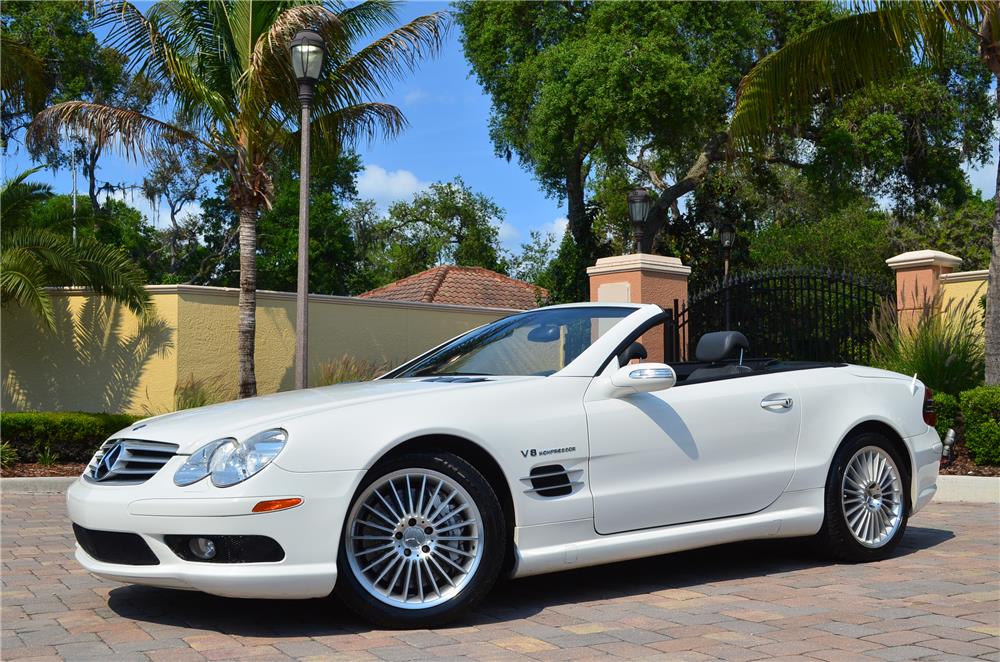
{"points": [[553, 480], [128, 461]]}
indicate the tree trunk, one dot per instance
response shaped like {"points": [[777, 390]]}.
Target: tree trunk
{"points": [[576, 216], [993, 291], [248, 300]]}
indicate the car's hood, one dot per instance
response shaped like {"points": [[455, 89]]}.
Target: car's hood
{"points": [[192, 428]]}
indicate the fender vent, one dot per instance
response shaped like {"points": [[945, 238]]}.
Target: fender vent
{"points": [[552, 480]]}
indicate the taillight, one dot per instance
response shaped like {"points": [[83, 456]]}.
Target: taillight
{"points": [[930, 416]]}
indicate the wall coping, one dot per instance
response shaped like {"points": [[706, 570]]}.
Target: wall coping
{"points": [[965, 276], [645, 262], [924, 258], [231, 292]]}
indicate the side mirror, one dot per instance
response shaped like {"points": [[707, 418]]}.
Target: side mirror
{"points": [[644, 377]]}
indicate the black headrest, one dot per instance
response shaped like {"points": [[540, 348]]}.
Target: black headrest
{"points": [[720, 344]]}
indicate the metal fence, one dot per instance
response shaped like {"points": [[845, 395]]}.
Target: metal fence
{"points": [[792, 314]]}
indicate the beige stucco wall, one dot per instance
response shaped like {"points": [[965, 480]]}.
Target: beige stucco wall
{"points": [[99, 359], [961, 288]]}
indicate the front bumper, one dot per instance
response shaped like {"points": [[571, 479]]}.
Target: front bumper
{"points": [[308, 534]]}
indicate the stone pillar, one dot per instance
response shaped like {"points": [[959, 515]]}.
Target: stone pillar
{"points": [[918, 279], [641, 278]]}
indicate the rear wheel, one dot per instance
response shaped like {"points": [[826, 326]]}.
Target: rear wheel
{"points": [[867, 500], [423, 542]]}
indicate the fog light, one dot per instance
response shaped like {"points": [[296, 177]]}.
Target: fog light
{"points": [[203, 548]]}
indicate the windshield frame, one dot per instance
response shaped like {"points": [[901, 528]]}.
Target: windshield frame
{"points": [[619, 329]]}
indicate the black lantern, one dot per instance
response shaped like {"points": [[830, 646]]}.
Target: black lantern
{"points": [[308, 51], [640, 202], [727, 235]]}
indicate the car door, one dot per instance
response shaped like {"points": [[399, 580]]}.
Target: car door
{"points": [[693, 452]]}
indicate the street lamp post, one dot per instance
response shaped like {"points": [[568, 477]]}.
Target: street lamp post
{"points": [[639, 204], [727, 235], [307, 52]]}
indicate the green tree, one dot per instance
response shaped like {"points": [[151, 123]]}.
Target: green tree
{"points": [[845, 54], [73, 66], [34, 258], [448, 223], [226, 65]]}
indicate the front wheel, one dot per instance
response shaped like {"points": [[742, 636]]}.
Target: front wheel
{"points": [[423, 542], [867, 500]]}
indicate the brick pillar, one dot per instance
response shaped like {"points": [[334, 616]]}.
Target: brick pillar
{"points": [[641, 278], [918, 275]]}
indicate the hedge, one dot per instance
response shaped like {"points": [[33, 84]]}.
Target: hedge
{"points": [[981, 411], [947, 410], [71, 436]]}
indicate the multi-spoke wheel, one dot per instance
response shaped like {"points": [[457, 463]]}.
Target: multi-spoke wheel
{"points": [[423, 540], [867, 501]]}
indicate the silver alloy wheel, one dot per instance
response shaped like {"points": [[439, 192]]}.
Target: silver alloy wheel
{"points": [[414, 538], [872, 497]]}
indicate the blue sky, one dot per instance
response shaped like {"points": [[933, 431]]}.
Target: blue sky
{"points": [[448, 136]]}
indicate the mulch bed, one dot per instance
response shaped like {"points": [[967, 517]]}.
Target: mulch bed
{"points": [[34, 470], [962, 465]]}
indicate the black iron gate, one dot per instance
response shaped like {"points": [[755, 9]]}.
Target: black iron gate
{"points": [[792, 314]]}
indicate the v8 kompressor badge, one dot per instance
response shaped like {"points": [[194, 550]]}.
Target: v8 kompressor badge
{"points": [[534, 452]]}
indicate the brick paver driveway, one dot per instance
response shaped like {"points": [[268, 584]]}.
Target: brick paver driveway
{"points": [[939, 598]]}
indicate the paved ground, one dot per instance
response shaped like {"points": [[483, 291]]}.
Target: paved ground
{"points": [[939, 598]]}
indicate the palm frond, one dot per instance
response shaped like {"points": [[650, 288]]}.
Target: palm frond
{"points": [[133, 133], [22, 281], [109, 271], [833, 58], [377, 66], [17, 197], [23, 83], [345, 127]]}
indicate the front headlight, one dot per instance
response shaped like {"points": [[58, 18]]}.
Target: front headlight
{"points": [[230, 462], [234, 462], [196, 466]]}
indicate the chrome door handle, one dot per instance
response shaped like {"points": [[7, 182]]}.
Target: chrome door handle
{"points": [[776, 402]]}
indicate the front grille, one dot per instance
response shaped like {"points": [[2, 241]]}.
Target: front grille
{"points": [[128, 461], [115, 547]]}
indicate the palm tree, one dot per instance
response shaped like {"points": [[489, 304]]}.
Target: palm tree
{"points": [[848, 53], [227, 66], [34, 258]]}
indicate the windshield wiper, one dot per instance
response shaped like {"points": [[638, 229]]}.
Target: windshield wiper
{"points": [[455, 374]]}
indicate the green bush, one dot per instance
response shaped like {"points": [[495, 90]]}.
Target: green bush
{"points": [[981, 411], [349, 369], [8, 456], [943, 346], [946, 406], [69, 436]]}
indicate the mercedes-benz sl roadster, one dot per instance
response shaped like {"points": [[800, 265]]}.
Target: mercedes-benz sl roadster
{"points": [[536, 443]]}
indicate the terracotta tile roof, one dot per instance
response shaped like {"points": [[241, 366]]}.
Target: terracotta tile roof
{"points": [[467, 286]]}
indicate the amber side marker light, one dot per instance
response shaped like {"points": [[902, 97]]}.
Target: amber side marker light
{"points": [[276, 504]]}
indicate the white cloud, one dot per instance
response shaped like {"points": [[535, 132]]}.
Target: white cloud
{"points": [[509, 235], [415, 96], [556, 227], [387, 186]]}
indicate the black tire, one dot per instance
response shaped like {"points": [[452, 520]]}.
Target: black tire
{"points": [[835, 539], [494, 546]]}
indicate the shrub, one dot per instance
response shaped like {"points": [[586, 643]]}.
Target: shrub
{"points": [[981, 411], [943, 346], [46, 457], [349, 369], [70, 436], [8, 455], [946, 406], [193, 392]]}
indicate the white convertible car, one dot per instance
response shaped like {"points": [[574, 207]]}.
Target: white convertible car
{"points": [[536, 443]]}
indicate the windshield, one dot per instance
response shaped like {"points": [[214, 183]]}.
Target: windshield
{"points": [[539, 342]]}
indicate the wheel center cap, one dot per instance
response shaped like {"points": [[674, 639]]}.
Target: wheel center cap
{"points": [[414, 537]]}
